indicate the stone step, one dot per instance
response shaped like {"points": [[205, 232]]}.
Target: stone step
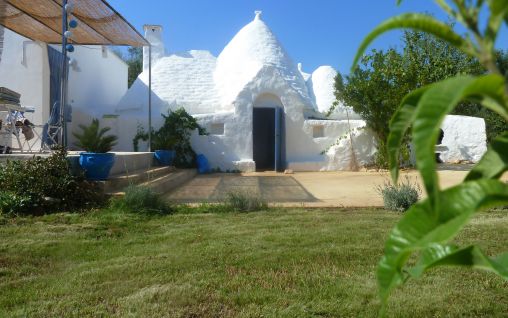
{"points": [[118, 182], [165, 183], [171, 181]]}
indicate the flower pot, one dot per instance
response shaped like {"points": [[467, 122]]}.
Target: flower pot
{"points": [[96, 165], [165, 157]]}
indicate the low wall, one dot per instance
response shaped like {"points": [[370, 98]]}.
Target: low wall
{"points": [[125, 162]]}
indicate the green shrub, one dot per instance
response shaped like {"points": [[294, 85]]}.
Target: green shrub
{"points": [[399, 197], [12, 203], [45, 185], [174, 135], [139, 199], [239, 201]]}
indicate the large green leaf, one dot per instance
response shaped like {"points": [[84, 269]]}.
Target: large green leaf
{"points": [[422, 228], [494, 163], [399, 124], [471, 256], [498, 14], [419, 22], [433, 104]]}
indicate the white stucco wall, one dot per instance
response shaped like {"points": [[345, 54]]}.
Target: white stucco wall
{"points": [[302, 150], [321, 84], [154, 35], [97, 81], [337, 145], [464, 139], [24, 68]]}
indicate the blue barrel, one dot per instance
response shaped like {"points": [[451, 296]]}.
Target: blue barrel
{"points": [[203, 165]]}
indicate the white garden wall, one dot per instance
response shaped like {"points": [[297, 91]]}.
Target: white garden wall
{"points": [[464, 139]]}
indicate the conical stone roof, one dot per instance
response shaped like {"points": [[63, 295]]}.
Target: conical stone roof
{"points": [[254, 47]]}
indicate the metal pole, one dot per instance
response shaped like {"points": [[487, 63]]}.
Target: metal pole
{"points": [[150, 98], [63, 79]]}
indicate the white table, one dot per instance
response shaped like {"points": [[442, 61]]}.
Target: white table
{"points": [[10, 107]]}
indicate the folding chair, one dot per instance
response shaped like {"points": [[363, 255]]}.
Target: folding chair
{"points": [[23, 129], [52, 129]]}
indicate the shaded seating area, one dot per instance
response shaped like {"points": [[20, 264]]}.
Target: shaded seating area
{"points": [[65, 23], [19, 133]]}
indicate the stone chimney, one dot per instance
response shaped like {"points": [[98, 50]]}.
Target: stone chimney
{"points": [[153, 34]]}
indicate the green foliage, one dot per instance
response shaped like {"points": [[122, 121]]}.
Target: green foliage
{"points": [[135, 64], [175, 135], [399, 197], [44, 185], [420, 22], [428, 227], [139, 199], [12, 203], [244, 202], [375, 88], [142, 135], [93, 139]]}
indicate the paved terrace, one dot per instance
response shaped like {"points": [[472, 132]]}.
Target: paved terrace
{"points": [[311, 189]]}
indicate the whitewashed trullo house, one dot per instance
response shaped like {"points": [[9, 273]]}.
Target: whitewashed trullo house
{"points": [[260, 108]]}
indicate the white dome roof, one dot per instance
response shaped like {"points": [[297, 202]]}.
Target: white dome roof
{"points": [[323, 84], [254, 47]]}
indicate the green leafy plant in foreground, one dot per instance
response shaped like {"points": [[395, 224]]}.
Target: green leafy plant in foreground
{"points": [[428, 227]]}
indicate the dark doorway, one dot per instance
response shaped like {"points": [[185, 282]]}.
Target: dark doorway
{"points": [[263, 132], [439, 142]]}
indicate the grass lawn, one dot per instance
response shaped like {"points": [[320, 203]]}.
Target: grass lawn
{"points": [[281, 263]]}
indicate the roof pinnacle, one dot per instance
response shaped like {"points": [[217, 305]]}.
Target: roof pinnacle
{"points": [[258, 14]]}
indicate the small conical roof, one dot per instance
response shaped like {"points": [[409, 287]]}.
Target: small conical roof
{"points": [[254, 47]]}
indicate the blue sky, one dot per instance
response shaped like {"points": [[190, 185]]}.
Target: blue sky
{"points": [[314, 32]]}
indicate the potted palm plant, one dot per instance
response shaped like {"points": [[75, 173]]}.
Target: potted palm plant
{"points": [[96, 161]]}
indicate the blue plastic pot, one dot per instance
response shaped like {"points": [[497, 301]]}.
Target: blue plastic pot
{"points": [[165, 157], [96, 165]]}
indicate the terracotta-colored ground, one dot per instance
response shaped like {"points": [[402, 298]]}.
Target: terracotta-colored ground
{"points": [[309, 189]]}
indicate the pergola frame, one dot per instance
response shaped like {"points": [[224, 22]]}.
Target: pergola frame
{"points": [[98, 24]]}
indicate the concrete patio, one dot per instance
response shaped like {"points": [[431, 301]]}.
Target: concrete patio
{"points": [[309, 189]]}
